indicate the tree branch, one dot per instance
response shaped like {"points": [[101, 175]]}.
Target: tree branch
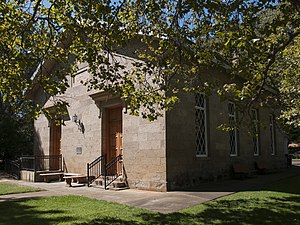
{"points": [[272, 59], [35, 10], [296, 3]]}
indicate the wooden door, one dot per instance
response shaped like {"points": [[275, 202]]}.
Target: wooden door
{"points": [[55, 146], [114, 136]]}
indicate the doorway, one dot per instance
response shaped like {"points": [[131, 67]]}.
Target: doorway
{"points": [[114, 137], [55, 145]]}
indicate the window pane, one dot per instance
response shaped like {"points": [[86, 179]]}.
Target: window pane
{"points": [[233, 129], [200, 122], [272, 135], [254, 114]]}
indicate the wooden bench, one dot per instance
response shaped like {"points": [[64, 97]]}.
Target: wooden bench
{"points": [[75, 178], [47, 176], [71, 174], [240, 169], [261, 166]]}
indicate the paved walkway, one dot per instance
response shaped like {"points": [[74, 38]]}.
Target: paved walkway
{"points": [[157, 201]]}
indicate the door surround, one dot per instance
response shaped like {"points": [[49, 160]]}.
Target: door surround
{"points": [[112, 131]]}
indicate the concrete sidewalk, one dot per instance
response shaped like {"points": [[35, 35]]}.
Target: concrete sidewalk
{"points": [[164, 202]]}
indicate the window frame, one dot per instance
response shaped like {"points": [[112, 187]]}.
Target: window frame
{"points": [[272, 134], [203, 109], [256, 138], [233, 132]]}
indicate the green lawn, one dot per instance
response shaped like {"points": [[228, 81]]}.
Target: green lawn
{"points": [[7, 188], [275, 204], [278, 203]]}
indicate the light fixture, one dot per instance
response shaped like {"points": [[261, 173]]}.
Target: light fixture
{"points": [[74, 118], [78, 123]]}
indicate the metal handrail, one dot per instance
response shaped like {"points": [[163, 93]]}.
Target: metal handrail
{"points": [[13, 168], [94, 169], [41, 162], [115, 174]]}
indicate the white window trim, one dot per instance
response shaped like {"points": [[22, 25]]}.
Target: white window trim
{"points": [[205, 123], [272, 135], [235, 129], [257, 137]]}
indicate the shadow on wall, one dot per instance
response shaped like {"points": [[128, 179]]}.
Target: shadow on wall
{"points": [[37, 145], [189, 180], [38, 149], [65, 168]]}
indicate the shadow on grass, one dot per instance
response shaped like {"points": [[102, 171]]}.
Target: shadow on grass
{"points": [[247, 184], [290, 185], [109, 221], [236, 211], [245, 208], [17, 212], [239, 211], [231, 212], [278, 203]]}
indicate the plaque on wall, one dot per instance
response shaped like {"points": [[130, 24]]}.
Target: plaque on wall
{"points": [[79, 151]]}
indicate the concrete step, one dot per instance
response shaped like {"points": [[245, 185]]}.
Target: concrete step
{"points": [[118, 184]]}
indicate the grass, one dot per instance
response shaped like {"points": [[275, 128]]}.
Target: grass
{"points": [[278, 203], [7, 188], [69, 210]]}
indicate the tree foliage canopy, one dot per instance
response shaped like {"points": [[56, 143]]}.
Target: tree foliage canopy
{"points": [[16, 136], [256, 40]]}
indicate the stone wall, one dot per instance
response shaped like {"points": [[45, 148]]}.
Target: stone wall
{"points": [[144, 153], [184, 168], [79, 145], [158, 155], [28, 175], [143, 141], [41, 136]]}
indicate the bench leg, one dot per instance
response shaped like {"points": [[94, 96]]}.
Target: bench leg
{"points": [[81, 180], [69, 181]]}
